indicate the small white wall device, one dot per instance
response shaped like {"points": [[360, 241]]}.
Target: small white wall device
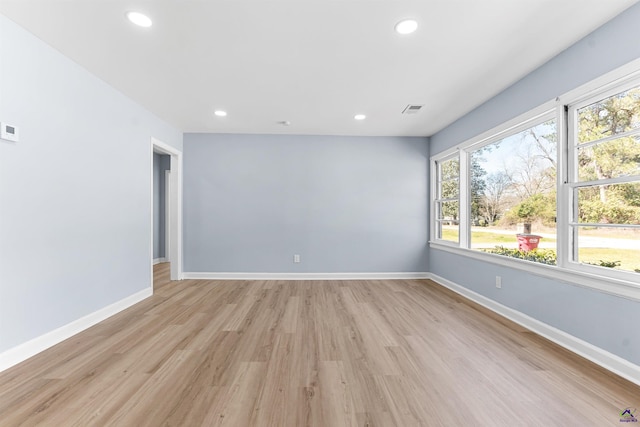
{"points": [[8, 132]]}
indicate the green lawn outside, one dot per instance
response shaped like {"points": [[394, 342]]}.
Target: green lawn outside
{"points": [[497, 238], [450, 234], [629, 258], [485, 237]]}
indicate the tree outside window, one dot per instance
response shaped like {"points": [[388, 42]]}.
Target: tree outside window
{"points": [[606, 182]]}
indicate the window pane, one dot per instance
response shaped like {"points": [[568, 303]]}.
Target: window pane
{"points": [[610, 159], [449, 231], [513, 191], [449, 169], [448, 211], [609, 204], [617, 248], [610, 116], [449, 189]]}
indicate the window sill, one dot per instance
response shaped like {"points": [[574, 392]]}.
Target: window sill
{"points": [[622, 288]]}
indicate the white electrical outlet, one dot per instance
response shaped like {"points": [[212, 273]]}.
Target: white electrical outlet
{"points": [[498, 282], [296, 258]]}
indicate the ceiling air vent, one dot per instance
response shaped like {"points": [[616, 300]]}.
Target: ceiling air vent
{"points": [[412, 109]]}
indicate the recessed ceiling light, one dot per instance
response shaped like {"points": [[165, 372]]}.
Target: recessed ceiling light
{"points": [[140, 19], [359, 117], [220, 113], [406, 26]]}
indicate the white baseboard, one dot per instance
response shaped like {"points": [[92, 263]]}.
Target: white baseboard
{"points": [[159, 260], [609, 361], [22, 352], [304, 276]]}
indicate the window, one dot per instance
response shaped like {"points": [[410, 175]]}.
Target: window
{"points": [[558, 186], [604, 180], [513, 191], [447, 201]]}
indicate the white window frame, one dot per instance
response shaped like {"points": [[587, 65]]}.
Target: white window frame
{"points": [[435, 193], [463, 151], [620, 283], [538, 116], [572, 182]]}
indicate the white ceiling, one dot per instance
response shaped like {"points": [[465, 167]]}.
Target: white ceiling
{"points": [[313, 63]]}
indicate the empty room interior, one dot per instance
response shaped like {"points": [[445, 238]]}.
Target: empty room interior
{"points": [[390, 213]]}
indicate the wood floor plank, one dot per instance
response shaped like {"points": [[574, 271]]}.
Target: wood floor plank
{"points": [[237, 404], [336, 395], [309, 353]]}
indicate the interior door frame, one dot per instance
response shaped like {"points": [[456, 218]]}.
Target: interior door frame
{"points": [[167, 213], [174, 213]]}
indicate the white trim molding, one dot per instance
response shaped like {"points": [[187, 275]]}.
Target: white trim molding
{"points": [[597, 355], [305, 276], [22, 352], [159, 261]]}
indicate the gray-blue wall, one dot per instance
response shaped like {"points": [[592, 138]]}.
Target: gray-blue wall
{"points": [[345, 204], [161, 163], [75, 192], [606, 321]]}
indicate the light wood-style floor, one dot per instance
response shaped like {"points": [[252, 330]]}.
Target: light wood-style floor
{"points": [[322, 353]]}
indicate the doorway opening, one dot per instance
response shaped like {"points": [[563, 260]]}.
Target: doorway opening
{"points": [[166, 237]]}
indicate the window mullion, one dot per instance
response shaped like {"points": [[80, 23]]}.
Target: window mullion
{"points": [[563, 195], [609, 181], [571, 200], [450, 199], [464, 205], [433, 211], [603, 225], [633, 132]]}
